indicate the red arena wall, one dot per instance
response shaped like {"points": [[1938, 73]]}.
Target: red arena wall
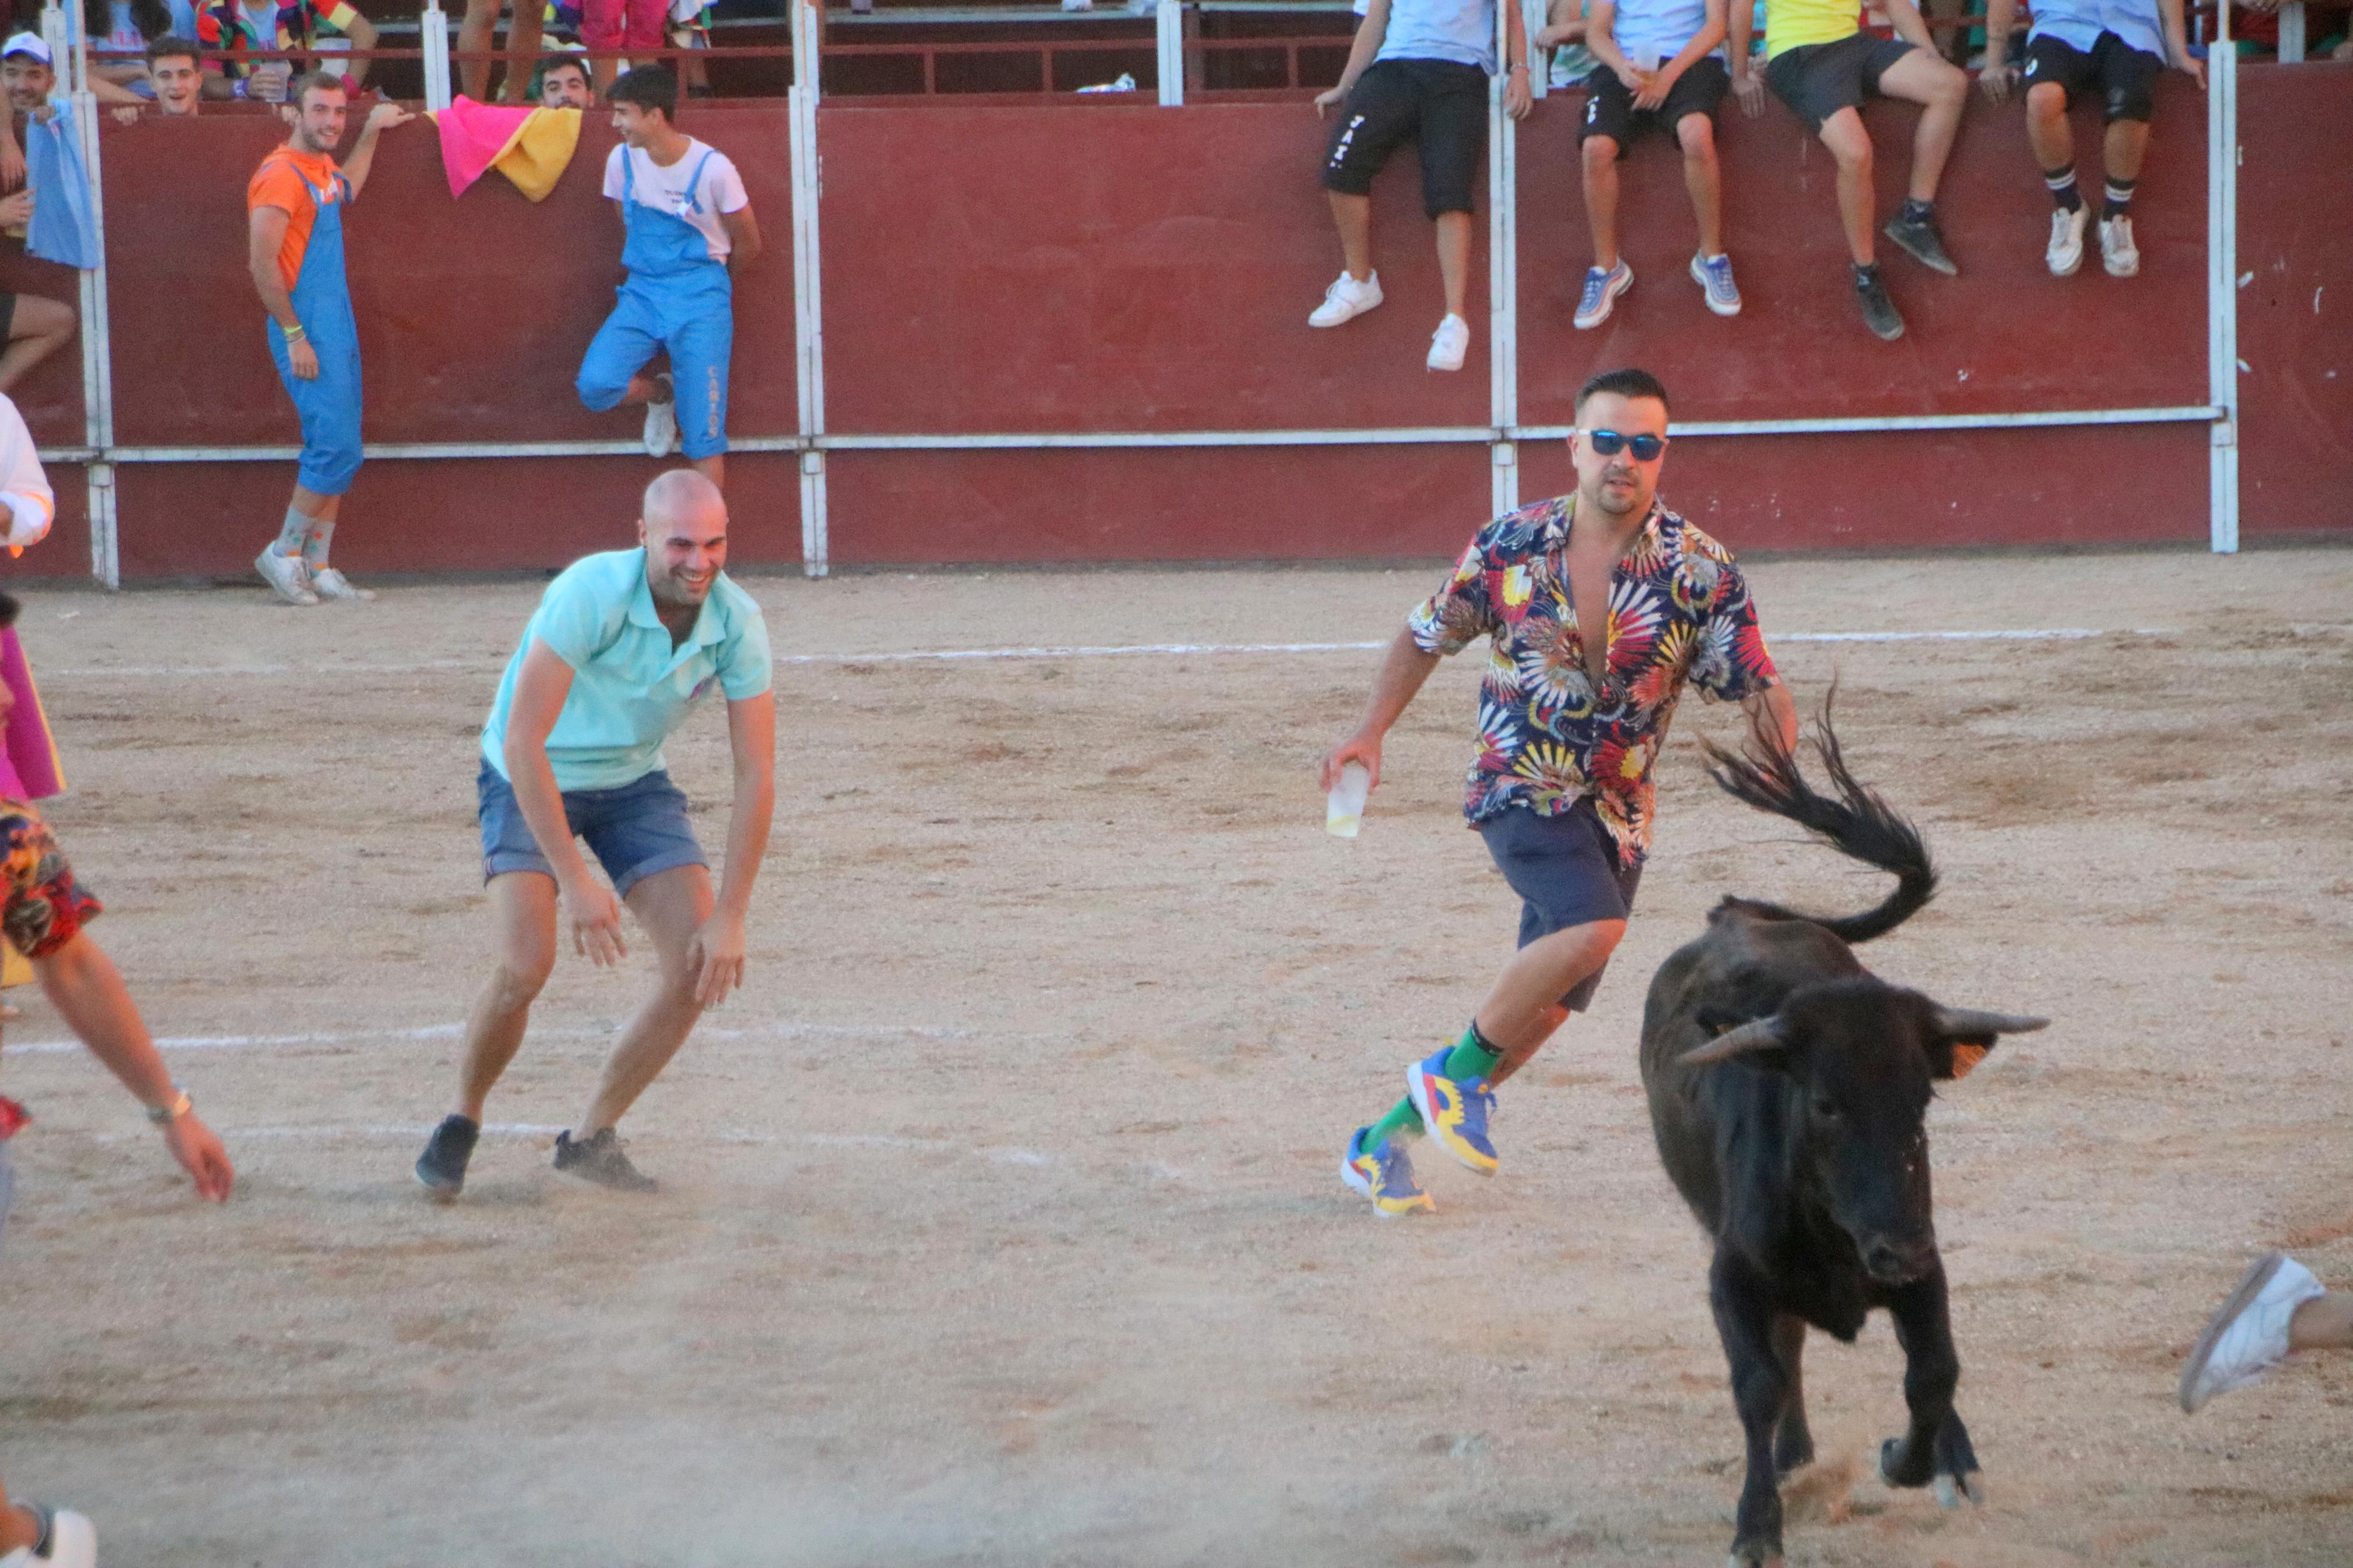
{"points": [[1124, 268]]}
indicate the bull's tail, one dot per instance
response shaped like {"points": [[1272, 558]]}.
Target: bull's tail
{"points": [[1854, 821]]}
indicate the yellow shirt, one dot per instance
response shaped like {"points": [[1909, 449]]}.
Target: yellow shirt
{"points": [[1794, 24]]}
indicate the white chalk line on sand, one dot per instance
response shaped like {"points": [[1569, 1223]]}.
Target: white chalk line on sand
{"points": [[554, 1031], [1113, 650]]}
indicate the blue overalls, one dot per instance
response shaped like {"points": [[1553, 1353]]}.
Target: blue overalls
{"points": [[676, 299], [329, 405]]}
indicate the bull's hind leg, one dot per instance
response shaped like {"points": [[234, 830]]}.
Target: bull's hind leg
{"points": [[1937, 1446], [1793, 1442], [1745, 1322]]}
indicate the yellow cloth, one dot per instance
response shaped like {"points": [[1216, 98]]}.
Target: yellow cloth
{"points": [[540, 151], [15, 968], [1794, 24]]}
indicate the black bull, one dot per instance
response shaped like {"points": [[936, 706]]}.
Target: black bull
{"points": [[1788, 1093]]}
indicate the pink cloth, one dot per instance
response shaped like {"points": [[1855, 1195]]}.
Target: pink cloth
{"points": [[28, 757], [472, 137]]}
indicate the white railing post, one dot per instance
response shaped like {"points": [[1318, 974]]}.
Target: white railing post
{"points": [[96, 340], [1502, 274], [433, 37], [808, 301], [1534, 14], [2291, 32], [2223, 287], [1169, 19]]}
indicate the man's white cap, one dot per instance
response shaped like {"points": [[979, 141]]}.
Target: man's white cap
{"points": [[31, 44]]}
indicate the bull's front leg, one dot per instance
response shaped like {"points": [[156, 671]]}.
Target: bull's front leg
{"points": [[1936, 1448], [1743, 1321]]}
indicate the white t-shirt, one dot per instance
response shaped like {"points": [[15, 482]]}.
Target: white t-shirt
{"points": [[1463, 31], [719, 190]]}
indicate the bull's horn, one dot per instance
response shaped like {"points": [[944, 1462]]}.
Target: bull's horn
{"points": [[1756, 1035], [1963, 1022]]}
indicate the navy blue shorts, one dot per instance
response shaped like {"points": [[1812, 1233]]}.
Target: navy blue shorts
{"points": [[634, 831], [1566, 872]]}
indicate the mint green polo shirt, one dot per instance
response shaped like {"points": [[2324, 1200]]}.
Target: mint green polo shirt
{"points": [[630, 688]]}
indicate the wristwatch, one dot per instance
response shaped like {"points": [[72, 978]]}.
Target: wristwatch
{"points": [[164, 1115]]}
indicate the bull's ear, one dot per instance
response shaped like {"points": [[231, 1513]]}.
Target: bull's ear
{"points": [[1763, 1041], [1959, 1038]]}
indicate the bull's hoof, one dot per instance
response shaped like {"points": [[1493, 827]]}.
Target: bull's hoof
{"points": [[1755, 1554], [1737, 1561]]}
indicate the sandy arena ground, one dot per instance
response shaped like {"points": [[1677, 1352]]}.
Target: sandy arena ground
{"points": [[1001, 1222]]}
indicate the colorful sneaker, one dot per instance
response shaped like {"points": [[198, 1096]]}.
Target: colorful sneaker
{"points": [[661, 434], [2065, 251], [1449, 345], [442, 1167], [1600, 289], [599, 1160], [2118, 254], [287, 577], [1346, 299], [67, 1541], [1384, 1174], [1454, 1113], [331, 584], [1714, 274], [2247, 1335]]}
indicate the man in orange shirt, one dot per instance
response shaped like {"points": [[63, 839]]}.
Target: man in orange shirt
{"points": [[294, 209]]}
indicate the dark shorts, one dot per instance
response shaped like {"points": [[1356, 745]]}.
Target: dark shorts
{"points": [[7, 315], [42, 908], [1566, 872], [1441, 103], [1817, 81], [2124, 76], [1609, 105], [634, 831]]}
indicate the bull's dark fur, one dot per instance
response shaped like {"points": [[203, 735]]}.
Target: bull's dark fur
{"points": [[1800, 1143]]}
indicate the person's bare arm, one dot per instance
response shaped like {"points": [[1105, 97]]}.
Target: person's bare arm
{"points": [[1704, 44], [1740, 30], [2176, 43], [12, 155], [1403, 670], [1601, 43], [363, 35], [1519, 92], [742, 238], [107, 91], [1905, 17], [716, 957], [1773, 711], [1565, 23], [590, 911], [1999, 76], [380, 119], [1369, 33], [264, 230]]}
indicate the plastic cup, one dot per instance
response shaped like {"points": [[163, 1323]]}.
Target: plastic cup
{"points": [[1344, 810]]}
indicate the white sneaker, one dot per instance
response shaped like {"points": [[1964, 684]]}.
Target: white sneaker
{"points": [[330, 584], [1450, 344], [287, 577], [2066, 249], [2247, 1335], [661, 420], [1346, 299], [2118, 254], [73, 1542]]}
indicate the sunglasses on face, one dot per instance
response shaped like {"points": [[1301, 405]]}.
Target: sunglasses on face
{"points": [[1609, 443]]}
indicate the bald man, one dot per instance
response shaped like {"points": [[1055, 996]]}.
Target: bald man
{"points": [[623, 646]]}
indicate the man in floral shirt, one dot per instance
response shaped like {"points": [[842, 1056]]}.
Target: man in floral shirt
{"points": [[1560, 786]]}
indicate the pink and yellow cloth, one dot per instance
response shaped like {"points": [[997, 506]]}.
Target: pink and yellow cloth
{"points": [[531, 147]]}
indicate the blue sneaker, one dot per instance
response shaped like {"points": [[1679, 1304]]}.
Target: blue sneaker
{"points": [[1454, 1113], [1600, 289], [1716, 277], [1384, 1174]]}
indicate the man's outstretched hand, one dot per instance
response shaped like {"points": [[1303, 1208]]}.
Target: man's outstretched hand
{"points": [[198, 1148]]}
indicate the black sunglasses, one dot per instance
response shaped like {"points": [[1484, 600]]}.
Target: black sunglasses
{"points": [[1608, 442]]}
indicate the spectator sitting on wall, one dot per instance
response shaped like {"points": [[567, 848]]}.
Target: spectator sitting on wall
{"points": [[689, 227], [1417, 71], [32, 326], [175, 76], [2117, 48], [125, 28], [564, 83], [1659, 68], [474, 36], [239, 26], [1822, 65]]}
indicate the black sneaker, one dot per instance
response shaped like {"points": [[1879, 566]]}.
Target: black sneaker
{"points": [[600, 1160], [1878, 310], [1917, 239], [442, 1166]]}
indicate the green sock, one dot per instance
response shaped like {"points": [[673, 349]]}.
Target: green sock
{"points": [[1475, 1056], [1402, 1118]]}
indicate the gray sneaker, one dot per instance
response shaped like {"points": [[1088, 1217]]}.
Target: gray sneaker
{"points": [[287, 577], [1918, 238], [329, 584], [1879, 312], [599, 1160], [661, 420]]}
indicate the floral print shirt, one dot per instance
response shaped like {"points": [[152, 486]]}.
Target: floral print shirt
{"points": [[1679, 611]]}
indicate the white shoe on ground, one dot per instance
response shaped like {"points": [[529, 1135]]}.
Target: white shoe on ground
{"points": [[2065, 252], [2247, 1335], [287, 577], [1346, 299], [73, 1542], [330, 584], [2118, 254], [661, 420], [1450, 344]]}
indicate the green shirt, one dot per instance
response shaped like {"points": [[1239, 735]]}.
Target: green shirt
{"points": [[630, 686]]}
